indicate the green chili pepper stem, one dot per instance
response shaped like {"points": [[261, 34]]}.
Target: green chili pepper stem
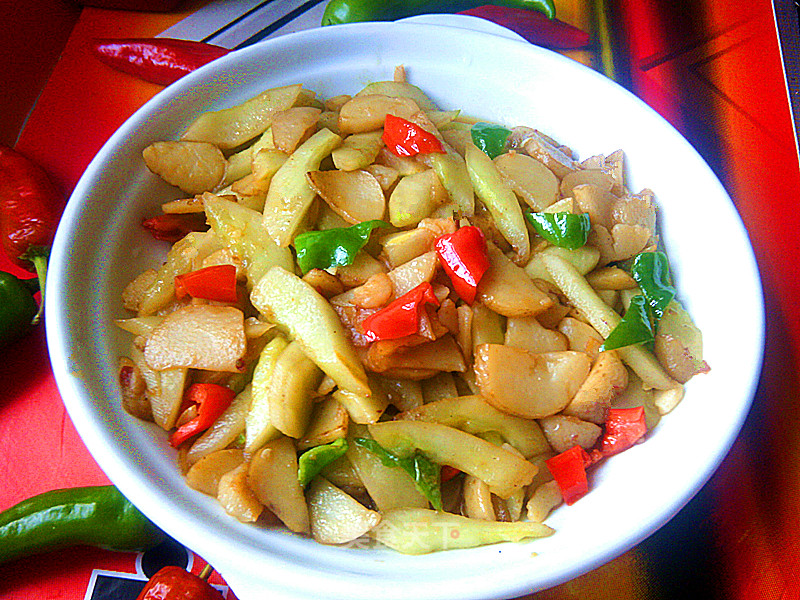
{"points": [[338, 12], [96, 516], [40, 264]]}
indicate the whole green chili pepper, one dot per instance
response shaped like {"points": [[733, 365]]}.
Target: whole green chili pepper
{"points": [[95, 516], [490, 138], [18, 309], [338, 12], [333, 247], [561, 229], [426, 474], [313, 460]]}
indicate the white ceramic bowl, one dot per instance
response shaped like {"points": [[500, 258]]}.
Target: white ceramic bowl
{"points": [[100, 247]]}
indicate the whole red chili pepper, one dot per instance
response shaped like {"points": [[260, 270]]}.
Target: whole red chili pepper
{"points": [[174, 583], [30, 207], [158, 60]]}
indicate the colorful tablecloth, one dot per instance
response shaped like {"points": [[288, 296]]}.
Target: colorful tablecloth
{"points": [[714, 70]]}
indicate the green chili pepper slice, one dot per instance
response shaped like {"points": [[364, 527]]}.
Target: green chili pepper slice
{"points": [[651, 272], [95, 516], [338, 12], [422, 470], [313, 460], [18, 308], [634, 328], [490, 138], [563, 229], [333, 247]]}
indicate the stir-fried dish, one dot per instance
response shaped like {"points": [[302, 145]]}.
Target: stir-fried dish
{"points": [[383, 320]]}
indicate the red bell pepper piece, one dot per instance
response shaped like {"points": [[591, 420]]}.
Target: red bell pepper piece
{"points": [[534, 26], [569, 471], [158, 60], [174, 583], [171, 227], [447, 473], [217, 282], [405, 138], [464, 257], [212, 400], [401, 317], [624, 427]]}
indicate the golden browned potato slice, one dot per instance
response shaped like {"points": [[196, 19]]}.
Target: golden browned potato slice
{"points": [[529, 334], [544, 499], [563, 432], [198, 337], [204, 475], [399, 89], [508, 290], [356, 196], [329, 422], [358, 150], [163, 389], [236, 497], [272, 476], [478, 500], [607, 380], [293, 126], [529, 385], [368, 112], [335, 516], [194, 167], [529, 178], [595, 177]]}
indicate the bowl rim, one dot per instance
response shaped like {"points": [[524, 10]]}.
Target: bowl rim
{"points": [[98, 440]]}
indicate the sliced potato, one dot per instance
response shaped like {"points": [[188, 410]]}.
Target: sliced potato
{"points": [[527, 333], [529, 385], [198, 337], [399, 89], [529, 178], [329, 422], [236, 497], [607, 380], [356, 195], [563, 432], [335, 516], [272, 475], [293, 126], [194, 167], [204, 475], [507, 289], [403, 246], [358, 150], [368, 112]]}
